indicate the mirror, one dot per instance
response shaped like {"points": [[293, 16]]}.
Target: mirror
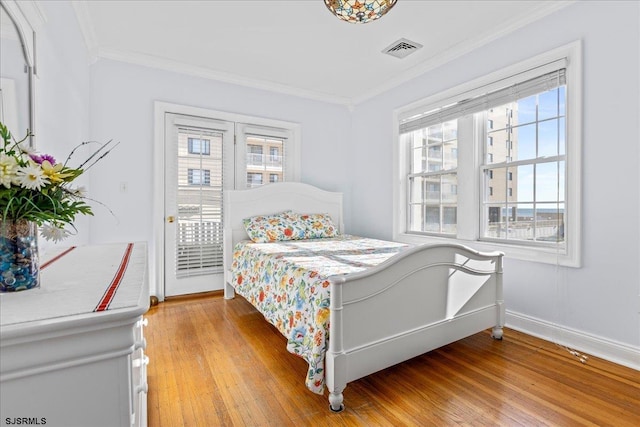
{"points": [[16, 73]]}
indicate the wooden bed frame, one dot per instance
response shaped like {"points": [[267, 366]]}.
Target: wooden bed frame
{"points": [[421, 299]]}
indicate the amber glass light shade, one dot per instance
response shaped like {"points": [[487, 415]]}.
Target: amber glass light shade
{"points": [[359, 11]]}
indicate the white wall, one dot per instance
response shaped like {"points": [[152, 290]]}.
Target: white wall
{"points": [[122, 107], [62, 118], [598, 303]]}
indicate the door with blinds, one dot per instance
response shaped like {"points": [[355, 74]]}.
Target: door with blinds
{"points": [[199, 157]]}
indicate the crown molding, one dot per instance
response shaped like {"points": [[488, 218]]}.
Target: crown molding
{"points": [[462, 49], [182, 68], [87, 29], [96, 52]]}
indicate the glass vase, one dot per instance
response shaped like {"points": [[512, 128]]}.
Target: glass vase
{"points": [[19, 261]]}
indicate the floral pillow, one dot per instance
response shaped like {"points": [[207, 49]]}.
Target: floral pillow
{"points": [[318, 226], [273, 228]]}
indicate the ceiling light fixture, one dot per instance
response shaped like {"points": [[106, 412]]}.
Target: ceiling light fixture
{"points": [[359, 11]]}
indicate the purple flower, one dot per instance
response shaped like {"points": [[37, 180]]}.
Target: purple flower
{"points": [[41, 158]]}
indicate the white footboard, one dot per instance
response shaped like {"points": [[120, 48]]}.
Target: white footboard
{"points": [[422, 299]]}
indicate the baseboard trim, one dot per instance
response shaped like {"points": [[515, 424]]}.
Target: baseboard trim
{"points": [[603, 348]]}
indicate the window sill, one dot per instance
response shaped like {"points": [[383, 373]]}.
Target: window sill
{"points": [[513, 251]]}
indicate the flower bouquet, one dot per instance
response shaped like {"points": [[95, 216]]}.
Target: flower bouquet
{"points": [[36, 192]]}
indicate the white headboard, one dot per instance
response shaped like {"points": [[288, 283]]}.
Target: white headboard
{"points": [[271, 199]]}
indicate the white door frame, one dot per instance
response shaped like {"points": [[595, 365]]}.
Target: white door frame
{"points": [[156, 249]]}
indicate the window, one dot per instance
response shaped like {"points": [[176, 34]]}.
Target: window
{"points": [[492, 162], [274, 154], [534, 162], [199, 146], [199, 177], [266, 156], [254, 156], [257, 163], [254, 179], [432, 178]]}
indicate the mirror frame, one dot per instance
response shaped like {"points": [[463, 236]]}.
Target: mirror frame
{"points": [[27, 36]]}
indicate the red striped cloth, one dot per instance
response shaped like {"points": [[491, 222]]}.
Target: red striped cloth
{"points": [[113, 286], [80, 280]]}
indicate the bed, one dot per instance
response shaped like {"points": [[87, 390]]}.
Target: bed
{"points": [[396, 303]]}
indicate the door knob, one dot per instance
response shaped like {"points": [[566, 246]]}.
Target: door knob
{"points": [[171, 219]]}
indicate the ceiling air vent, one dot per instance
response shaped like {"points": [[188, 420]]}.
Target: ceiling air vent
{"points": [[402, 48]]}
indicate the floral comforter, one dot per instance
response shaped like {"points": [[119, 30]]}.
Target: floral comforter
{"points": [[288, 283]]}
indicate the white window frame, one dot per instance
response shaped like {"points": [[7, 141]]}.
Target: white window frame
{"points": [[469, 177], [291, 167]]}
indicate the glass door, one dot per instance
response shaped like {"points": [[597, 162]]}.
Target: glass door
{"points": [[199, 167]]}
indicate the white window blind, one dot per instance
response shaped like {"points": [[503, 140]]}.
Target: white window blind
{"points": [[199, 229], [499, 93]]}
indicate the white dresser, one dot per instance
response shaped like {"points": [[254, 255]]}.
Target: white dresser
{"points": [[72, 351]]}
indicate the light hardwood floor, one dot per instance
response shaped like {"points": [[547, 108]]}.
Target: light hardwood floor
{"points": [[218, 362]]}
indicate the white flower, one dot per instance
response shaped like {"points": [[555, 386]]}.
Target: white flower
{"points": [[26, 148], [80, 192], [31, 177], [8, 168], [52, 233]]}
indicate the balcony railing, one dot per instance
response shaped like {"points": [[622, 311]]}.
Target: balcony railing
{"points": [[266, 161], [541, 230]]}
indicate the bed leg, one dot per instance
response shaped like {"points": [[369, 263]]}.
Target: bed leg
{"points": [[229, 291], [497, 332], [335, 402]]}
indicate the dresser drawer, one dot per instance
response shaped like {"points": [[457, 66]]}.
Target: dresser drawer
{"points": [[73, 351], [139, 385]]}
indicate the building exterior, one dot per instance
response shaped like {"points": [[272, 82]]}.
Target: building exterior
{"points": [[264, 160]]}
